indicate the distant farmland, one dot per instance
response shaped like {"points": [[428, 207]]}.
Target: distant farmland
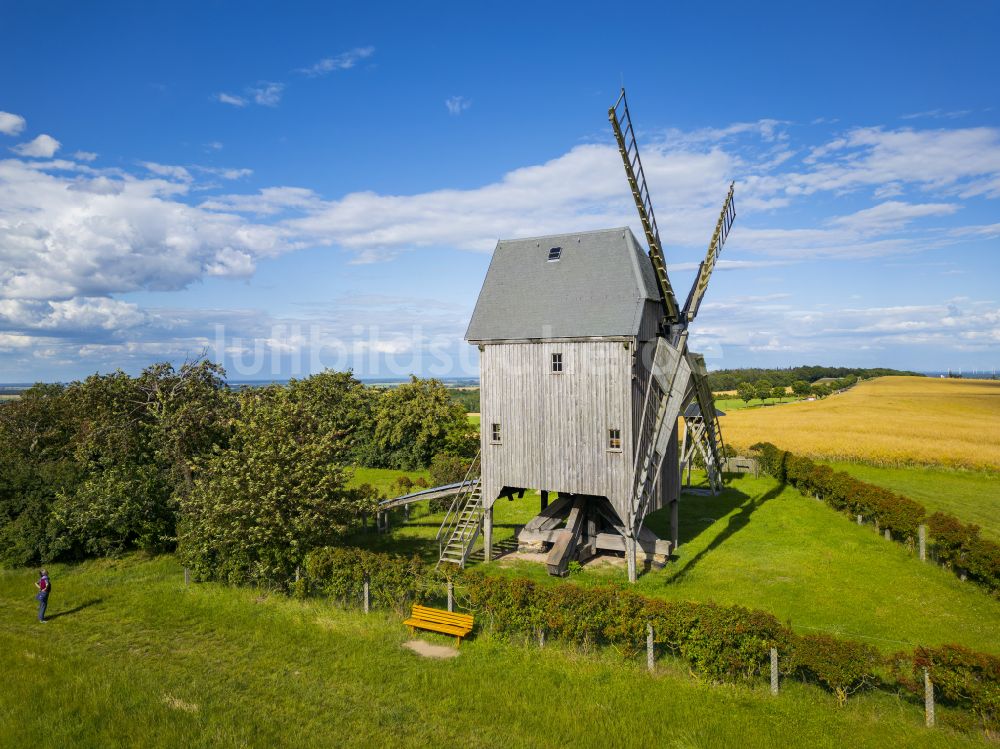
{"points": [[888, 421]]}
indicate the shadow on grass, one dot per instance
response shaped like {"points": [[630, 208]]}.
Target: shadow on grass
{"points": [[76, 609], [734, 524]]}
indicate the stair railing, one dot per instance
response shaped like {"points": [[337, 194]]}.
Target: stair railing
{"points": [[454, 514]]}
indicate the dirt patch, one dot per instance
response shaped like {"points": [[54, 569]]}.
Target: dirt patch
{"points": [[599, 560], [178, 704], [524, 556], [430, 651]]}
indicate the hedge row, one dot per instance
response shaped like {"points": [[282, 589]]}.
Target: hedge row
{"points": [[394, 581], [955, 543], [731, 643], [721, 643]]}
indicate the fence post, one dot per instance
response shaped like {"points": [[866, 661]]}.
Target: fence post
{"points": [[928, 699], [367, 595], [541, 637], [922, 537], [774, 670], [860, 520], [187, 577], [451, 596], [650, 654]]}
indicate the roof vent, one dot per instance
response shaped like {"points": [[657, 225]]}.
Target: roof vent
{"points": [[554, 254]]}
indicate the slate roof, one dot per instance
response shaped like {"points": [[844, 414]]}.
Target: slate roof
{"points": [[598, 287]]}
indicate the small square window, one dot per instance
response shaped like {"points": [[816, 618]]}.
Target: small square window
{"points": [[495, 434], [554, 254], [557, 364], [614, 439]]}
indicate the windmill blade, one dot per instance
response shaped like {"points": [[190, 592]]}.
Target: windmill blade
{"points": [[621, 123], [722, 227]]}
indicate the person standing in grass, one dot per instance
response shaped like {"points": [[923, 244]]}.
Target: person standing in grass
{"points": [[44, 588]]}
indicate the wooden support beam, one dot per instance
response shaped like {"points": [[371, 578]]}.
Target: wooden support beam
{"points": [[545, 499], [488, 534]]}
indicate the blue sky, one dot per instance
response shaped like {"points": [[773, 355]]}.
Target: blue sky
{"points": [[297, 186]]}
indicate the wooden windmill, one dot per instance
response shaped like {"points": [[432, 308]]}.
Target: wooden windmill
{"points": [[585, 371]]}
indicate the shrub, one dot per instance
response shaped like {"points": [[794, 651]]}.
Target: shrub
{"points": [[394, 581], [841, 666], [963, 678]]}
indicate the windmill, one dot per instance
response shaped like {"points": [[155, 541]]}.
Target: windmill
{"points": [[584, 373], [681, 375]]}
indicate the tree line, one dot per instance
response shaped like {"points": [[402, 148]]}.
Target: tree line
{"points": [[729, 379], [762, 389], [242, 483]]}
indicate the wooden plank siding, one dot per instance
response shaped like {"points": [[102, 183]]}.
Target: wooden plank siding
{"points": [[554, 427]]}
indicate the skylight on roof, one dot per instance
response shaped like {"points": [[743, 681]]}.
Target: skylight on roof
{"points": [[554, 254]]}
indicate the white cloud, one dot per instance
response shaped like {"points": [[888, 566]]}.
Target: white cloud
{"points": [[937, 114], [267, 94], [43, 147], [224, 172], [343, 61], [214, 145], [11, 124], [232, 99], [457, 104], [107, 236], [73, 237], [85, 156], [891, 216], [168, 170]]}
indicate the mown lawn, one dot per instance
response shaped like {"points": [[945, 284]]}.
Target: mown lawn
{"points": [[972, 496], [768, 547], [133, 658], [384, 479]]}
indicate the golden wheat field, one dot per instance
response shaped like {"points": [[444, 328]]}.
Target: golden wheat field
{"points": [[887, 421]]}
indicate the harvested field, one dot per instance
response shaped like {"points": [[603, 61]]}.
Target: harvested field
{"points": [[890, 421]]}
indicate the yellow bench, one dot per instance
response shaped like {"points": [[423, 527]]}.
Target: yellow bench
{"points": [[436, 620]]}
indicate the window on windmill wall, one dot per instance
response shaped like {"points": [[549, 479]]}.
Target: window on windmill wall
{"points": [[557, 363], [495, 434], [614, 439], [554, 254]]}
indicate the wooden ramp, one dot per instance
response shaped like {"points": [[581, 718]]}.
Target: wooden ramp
{"points": [[437, 492]]}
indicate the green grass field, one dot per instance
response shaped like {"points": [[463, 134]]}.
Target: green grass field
{"points": [[972, 496], [133, 658], [738, 404], [768, 547], [383, 479]]}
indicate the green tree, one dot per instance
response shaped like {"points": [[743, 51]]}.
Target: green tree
{"points": [[276, 492], [820, 391], [746, 391], [777, 393], [418, 420], [36, 463], [134, 444], [800, 388], [763, 390]]}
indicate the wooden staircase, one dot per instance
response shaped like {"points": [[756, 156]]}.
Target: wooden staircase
{"points": [[463, 522]]}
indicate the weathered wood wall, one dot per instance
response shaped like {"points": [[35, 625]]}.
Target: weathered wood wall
{"points": [[555, 426]]}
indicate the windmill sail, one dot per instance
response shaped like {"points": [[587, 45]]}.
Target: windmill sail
{"points": [[700, 285], [621, 123]]}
